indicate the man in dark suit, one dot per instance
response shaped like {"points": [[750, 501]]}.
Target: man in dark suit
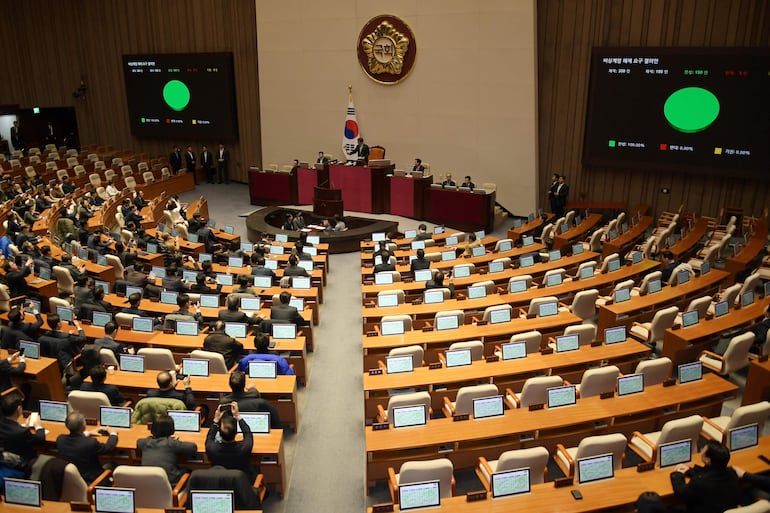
{"points": [[420, 262], [82, 449], [422, 232], [167, 389], [98, 375], [189, 158], [223, 161], [258, 266], [207, 164], [669, 264], [321, 158], [293, 269], [63, 346], [220, 342], [14, 437], [448, 182], [175, 159], [229, 453], [16, 140], [108, 341], [418, 166], [552, 192], [285, 312], [15, 277], [17, 329], [250, 400], [234, 314], [386, 265], [362, 151], [562, 191], [712, 488]]}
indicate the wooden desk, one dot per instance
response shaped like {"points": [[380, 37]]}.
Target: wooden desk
{"points": [[755, 245], [562, 241], [623, 242], [684, 345], [361, 187], [43, 372], [272, 187], [686, 245], [757, 383], [461, 209], [407, 195], [515, 234], [642, 308], [64, 507], [445, 382], [464, 442], [267, 451], [434, 342], [367, 254], [281, 391], [610, 495]]}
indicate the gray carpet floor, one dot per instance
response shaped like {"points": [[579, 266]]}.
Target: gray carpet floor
{"points": [[326, 458]]}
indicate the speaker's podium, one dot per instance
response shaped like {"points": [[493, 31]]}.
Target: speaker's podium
{"points": [[327, 202]]}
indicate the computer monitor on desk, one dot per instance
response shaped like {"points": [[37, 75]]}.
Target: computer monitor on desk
{"points": [[399, 364], [595, 468], [743, 437], [674, 453], [409, 416], [458, 357], [510, 482], [485, 407], [419, 495], [561, 396], [615, 335]]}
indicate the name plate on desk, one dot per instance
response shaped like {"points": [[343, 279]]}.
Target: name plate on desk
{"points": [[371, 333], [482, 323], [669, 382], [460, 297], [482, 271], [375, 372], [536, 406], [546, 350], [369, 305], [596, 343], [645, 466], [606, 395], [427, 328], [417, 302], [382, 508], [80, 506], [476, 496], [563, 481], [434, 365], [458, 418], [380, 426], [493, 358]]}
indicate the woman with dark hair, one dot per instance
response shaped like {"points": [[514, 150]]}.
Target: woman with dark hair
{"points": [[163, 450]]}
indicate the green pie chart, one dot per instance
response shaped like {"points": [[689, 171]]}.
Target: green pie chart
{"points": [[176, 95], [691, 109]]}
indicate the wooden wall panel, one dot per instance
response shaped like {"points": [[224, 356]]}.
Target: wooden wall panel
{"points": [[567, 29], [57, 42]]}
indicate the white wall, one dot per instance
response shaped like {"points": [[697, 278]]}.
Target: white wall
{"points": [[469, 105]]}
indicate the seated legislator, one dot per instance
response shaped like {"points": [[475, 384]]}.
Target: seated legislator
{"points": [[438, 283], [14, 437], [133, 305], [162, 449], [468, 183], [220, 342], [473, 242], [183, 301], [422, 232], [17, 329], [55, 343], [8, 371], [386, 264], [418, 166], [235, 314], [285, 312], [15, 277], [712, 488], [98, 375], [82, 448], [448, 182], [250, 400], [669, 264], [223, 449], [420, 262], [258, 266], [108, 341], [262, 345], [244, 285], [292, 269], [167, 389], [200, 287], [321, 158]]}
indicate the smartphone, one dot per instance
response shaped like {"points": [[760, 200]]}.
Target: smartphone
{"points": [[226, 408], [180, 376], [577, 495], [21, 351]]}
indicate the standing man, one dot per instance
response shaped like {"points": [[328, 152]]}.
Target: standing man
{"points": [[189, 159], [207, 164], [223, 160], [321, 158], [562, 191], [50, 137], [175, 159], [418, 166], [16, 136], [552, 192], [362, 151]]}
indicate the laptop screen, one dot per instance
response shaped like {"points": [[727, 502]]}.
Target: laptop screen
{"points": [[577, 249], [23, 492], [553, 280], [134, 290], [313, 239], [188, 421], [188, 328], [271, 264], [484, 407], [131, 363], [461, 271], [192, 237], [45, 273], [235, 262], [53, 411], [423, 275], [501, 315], [517, 223], [378, 236], [211, 501], [448, 255], [561, 396], [65, 314], [248, 247], [392, 327], [527, 240], [721, 308], [158, 271], [637, 257], [689, 372], [190, 276], [195, 367], [209, 301], [251, 303], [451, 240], [410, 234], [100, 318], [263, 281], [505, 245], [496, 267], [743, 437], [263, 369], [284, 331], [517, 285], [564, 228], [595, 468], [105, 285], [614, 265], [479, 251], [480, 234], [301, 282], [554, 255], [152, 248], [747, 299], [276, 250], [682, 277], [566, 343], [204, 257], [407, 416], [654, 286], [224, 279], [400, 363], [622, 295], [387, 300], [447, 323], [236, 329], [514, 350], [114, 500], [168, 297], [527, 261], [587, 272], [306, 265], [31, 349], [548, 309], [143, 324], [433, 296], [674, 453], [630, 384], [510, 482], [229, 230], [689, 318], [418, 244], [258, 422], [458, 357], [114, 416], [615, 335]]}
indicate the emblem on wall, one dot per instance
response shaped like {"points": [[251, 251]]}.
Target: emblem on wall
{"points": [[386, 49]]}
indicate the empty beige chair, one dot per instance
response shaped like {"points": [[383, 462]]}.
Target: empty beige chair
{"points": [[546, 237], [126, 170], [711, 253], [446, 293], [102, 193], [752, 282], [53, 155], [459, 314], [30, 171], [80, 170], [61, 173], [534, 458], [165, 173], [476, 347], [16, 164], [87, 403], [64, 281], [74, 488], [729, 295], [72, 162], [526, 278], [148, 177], [655, 371], [33, 152], [407, 320], [594, 242], [415, 351], [506, 261], [534, 391], [487, 316], [502, 242], [156, 491], [5, 298], [107, 357], [586, 333], [117, 265], [597, 381], [736, 355], [143, 166], [157, 358], [584, 304], [606, 262], [401, 400], [125, 319], [718, 428], [652, 332], [644, 288], [555, 272], [533, 339], [54, 302], [674, 280], [440, 470], [557, 225], [95, 180], [217, 363], [92, 157], [130, 183], [585, 265], [647, 247], [100, 166], [463, 404], [701, 305], [110, 175], [534, 305], [614, 444], [399, 295], [646, 445]]}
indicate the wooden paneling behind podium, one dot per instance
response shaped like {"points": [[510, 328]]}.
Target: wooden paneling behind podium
{"points": [[56, 44], [566, 32]]}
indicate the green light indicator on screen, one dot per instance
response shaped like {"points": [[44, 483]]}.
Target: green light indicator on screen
{"points": [[176, 95], [691, 109], [142, 120], [611, 144]]}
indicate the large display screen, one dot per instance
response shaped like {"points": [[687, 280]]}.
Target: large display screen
{"points": [[685, 109], [181, 95]]}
